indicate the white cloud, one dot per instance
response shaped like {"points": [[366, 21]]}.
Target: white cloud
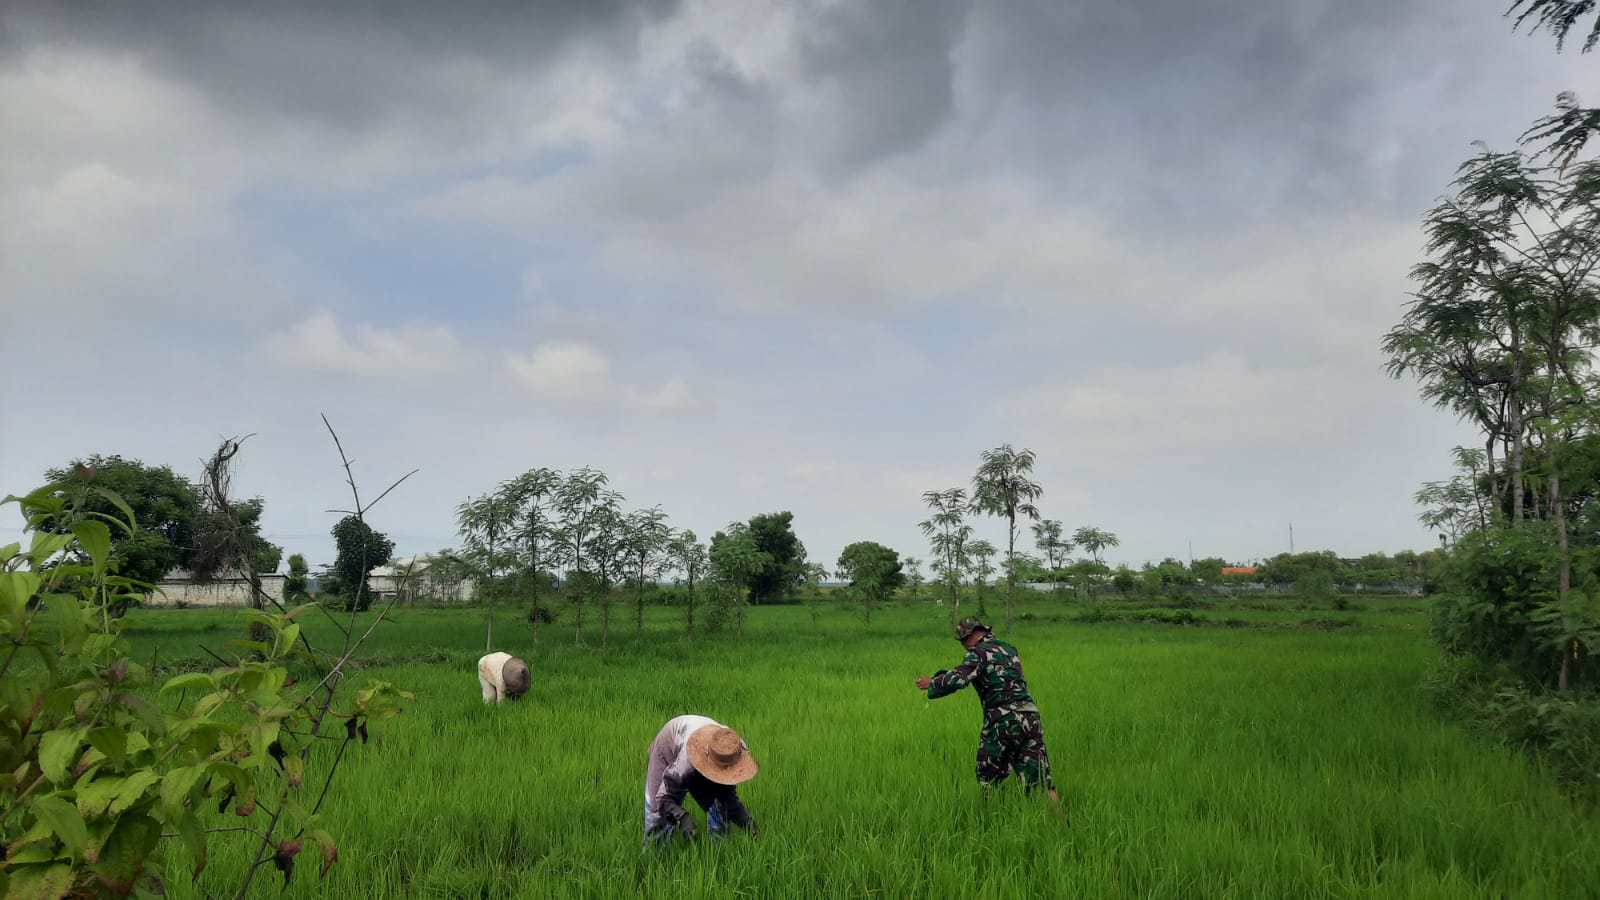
{"points": [[575, 373], [407, 352], [1219, 402], [822, 471]]}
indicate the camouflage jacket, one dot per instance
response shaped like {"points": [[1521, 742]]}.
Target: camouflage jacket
{"points": [[994, 670]]}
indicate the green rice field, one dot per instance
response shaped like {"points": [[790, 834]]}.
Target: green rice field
{"points": [[1284, 754]]}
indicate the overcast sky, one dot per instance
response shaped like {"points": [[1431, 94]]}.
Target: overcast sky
{"points": [[747, 257]]}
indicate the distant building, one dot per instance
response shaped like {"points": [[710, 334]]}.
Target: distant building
{"points": [[1238, 570], [408, 576], [180, 589]]}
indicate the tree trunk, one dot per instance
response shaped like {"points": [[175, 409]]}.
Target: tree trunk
{"points": [[1514, 389], [577, 630], [258, 631], [1011, 564], [533, 562]]}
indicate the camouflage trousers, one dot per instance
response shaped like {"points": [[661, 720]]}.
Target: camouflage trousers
{"points": [[1013, 741]]}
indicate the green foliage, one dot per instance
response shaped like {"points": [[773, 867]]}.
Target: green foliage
{"points": [[949, 538], [873, 571], [227, 540], [166, 506], [1095, 540], [294, 585], [360, 550], [95, 771], [1499, 577], [1208, 569], [1124, 580], [783, 569]]}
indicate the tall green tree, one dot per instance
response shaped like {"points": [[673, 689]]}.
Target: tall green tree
{"points": [[165, 508], [1002, 488], [1506, 317], [874, 573]]}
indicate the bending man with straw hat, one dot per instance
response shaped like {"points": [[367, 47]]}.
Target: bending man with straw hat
{"points": [[1012, 738], [703, 758]]}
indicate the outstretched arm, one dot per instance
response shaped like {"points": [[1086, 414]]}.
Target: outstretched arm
{"points": [[949, 681]]}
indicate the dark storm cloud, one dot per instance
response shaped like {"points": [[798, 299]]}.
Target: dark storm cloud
{"points": [[884, 73], [342, 64], [1231, 108]]}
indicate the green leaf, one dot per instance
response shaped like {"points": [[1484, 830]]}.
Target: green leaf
{"points": [[125, 852], [95, 539], [58, 750], [45, 545], [291, 633], [12, 549], [189, 680], [133, 791], [94, 797], [194, 837], [64, 820], [149, 714], [112, 741], [40, 851], [16, 588], [48, 882], [177, 786], [68, 616], [116, 500]]}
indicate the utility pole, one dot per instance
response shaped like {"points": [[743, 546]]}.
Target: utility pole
{"points": [[1291, 537]]}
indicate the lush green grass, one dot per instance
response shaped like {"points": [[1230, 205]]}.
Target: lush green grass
{"points": [[1194, 762]]}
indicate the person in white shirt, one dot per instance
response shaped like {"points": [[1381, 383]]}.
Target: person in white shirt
{"points": [[502, 675], [705, 759]]}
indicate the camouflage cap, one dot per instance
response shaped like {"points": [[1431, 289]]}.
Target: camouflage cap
{"points": [[969, 625]]}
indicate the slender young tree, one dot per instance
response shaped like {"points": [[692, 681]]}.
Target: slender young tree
{"points": [[1002, 488], [1047, 539], [948, 535], [532, 494], [689, 556], [608, 555], [646, 539], [484, 523], [1096, 541], [578, 501], [913, 572], [982, 551]]}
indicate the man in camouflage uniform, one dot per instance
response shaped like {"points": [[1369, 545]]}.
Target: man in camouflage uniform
{"points": [[1012, 739]]}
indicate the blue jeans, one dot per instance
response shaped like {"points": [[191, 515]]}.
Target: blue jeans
{"points": [[720, 801]]}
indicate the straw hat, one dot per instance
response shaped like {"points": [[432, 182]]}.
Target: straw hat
{"points": [[718, 753]]}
